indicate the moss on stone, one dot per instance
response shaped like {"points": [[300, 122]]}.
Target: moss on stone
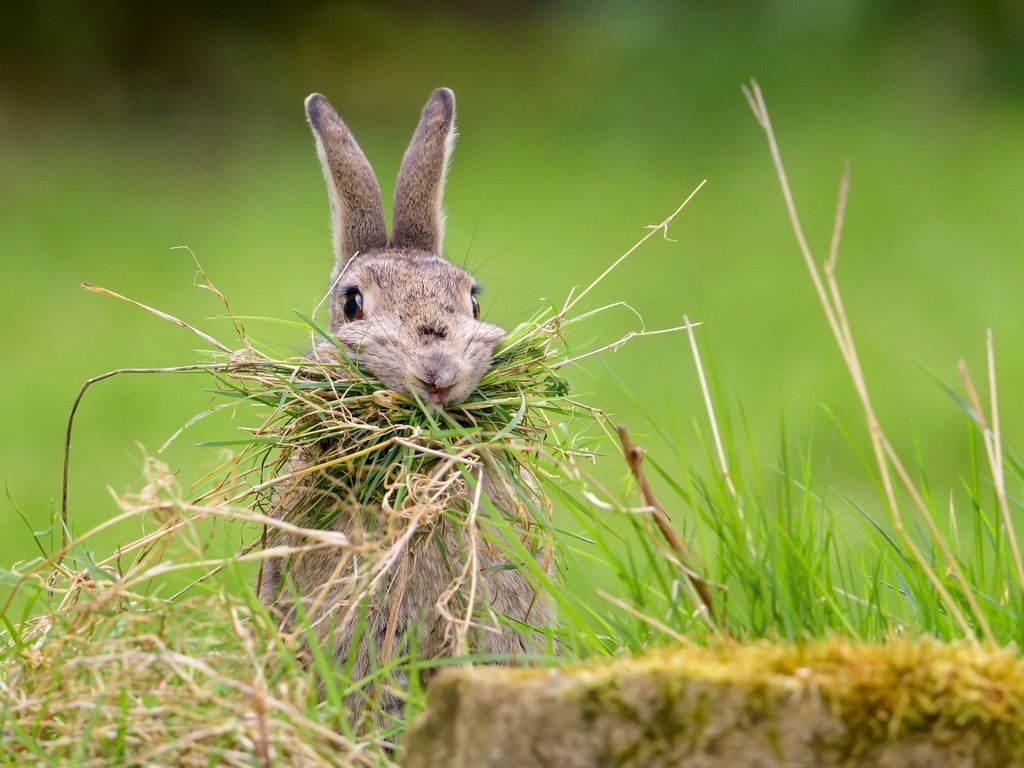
{"points": [[905, 703]]}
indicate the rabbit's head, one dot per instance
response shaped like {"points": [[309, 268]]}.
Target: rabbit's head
{"points": [[401, 311]]}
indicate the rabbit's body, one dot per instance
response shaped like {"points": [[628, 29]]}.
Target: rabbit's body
{"points": [[402, 613], [411, 319]]}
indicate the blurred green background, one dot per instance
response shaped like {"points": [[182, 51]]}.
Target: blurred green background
{"points": [[127, 130]]}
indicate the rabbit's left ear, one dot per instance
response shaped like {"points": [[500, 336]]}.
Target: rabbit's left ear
{"points": [[418, 220]]}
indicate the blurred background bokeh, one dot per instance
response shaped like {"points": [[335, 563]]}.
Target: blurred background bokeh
{"points": [[128, 130]]}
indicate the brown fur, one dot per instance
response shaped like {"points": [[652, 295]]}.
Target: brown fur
{"points": [[417, 334]]}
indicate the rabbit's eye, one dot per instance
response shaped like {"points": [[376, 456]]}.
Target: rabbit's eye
{"points": [[476, 307], [354, 306]]}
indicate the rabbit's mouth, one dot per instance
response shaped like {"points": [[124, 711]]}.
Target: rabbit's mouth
{"points": [[437, 394], [441, 379]]}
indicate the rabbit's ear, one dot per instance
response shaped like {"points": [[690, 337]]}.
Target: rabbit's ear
{"points": [[419, 222], [356, 207]]}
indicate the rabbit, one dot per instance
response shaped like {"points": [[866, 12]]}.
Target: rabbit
{"points": [[409, 318]]}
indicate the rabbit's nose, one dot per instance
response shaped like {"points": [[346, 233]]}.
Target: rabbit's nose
{"points": [[437, 381], [439, 375]]}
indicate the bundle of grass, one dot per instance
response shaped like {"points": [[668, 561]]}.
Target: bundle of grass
{"points": [[447, 548], [364, 445]]}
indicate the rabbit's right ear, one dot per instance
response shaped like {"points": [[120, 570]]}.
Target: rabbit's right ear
{"points": [[356, 207]]}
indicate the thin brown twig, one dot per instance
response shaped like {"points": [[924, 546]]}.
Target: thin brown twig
{"points": [[263, 742], [634, 456]]}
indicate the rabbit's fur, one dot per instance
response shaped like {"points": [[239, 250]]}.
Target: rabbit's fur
{"points": [[415, 327]]}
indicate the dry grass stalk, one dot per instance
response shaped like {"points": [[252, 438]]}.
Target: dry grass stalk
{"points": [[723, 464], [994, 446], [573, 300], [885, 455]]}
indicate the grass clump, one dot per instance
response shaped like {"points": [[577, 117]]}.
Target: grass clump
{"points": [[118, 679], [377, 446]]}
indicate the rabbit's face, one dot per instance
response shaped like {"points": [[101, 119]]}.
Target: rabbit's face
{"points": [[403, 313], [412, 320]]}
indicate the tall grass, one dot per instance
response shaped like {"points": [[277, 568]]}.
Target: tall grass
{"points": [[794, 558]]}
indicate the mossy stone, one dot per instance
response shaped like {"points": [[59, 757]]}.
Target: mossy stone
{"points": [[911, 704]]}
